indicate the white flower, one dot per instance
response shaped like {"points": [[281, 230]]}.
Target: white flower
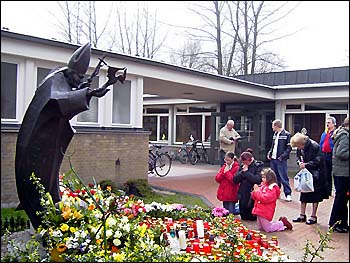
{"points": [[126, 227], [56, 233], [110, 221], [116, 242], [109, 233], [117, 234], [124, 220]]}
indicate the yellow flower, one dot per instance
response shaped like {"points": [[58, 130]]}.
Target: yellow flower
{"points": [[77, 215], [143, 230], [64, 227], [118, 257], [55, 255], [61, 248], [72, 229], [66, 212]]}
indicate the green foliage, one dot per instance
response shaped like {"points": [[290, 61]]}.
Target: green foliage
{"points": [[187, 200], [311, 251], [138, 187]]}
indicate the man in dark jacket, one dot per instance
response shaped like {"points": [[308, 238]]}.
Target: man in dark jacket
{"points": [[278, 155]]}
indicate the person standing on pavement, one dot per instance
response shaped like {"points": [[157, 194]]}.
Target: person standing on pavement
{"points": [[326, 144], [249, 173], [340, 172], [265, 198], [309, 156], [227, 138], [227, 190], [278, 155]]}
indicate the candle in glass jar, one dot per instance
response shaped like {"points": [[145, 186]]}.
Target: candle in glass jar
{"points": [[182, 239], [200, 228]]}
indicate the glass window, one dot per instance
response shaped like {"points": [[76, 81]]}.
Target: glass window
{"points": [[202, 109], [187, 125], [157, 110], [313, 122], [121, 102], [327, 106], [8, 90], [293, 106], [150, 124], [163, 128], [181, 109], [41, 74], [207, 129], [91, 115]]}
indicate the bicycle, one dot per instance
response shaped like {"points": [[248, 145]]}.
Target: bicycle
{"points": [[190, 152], [160, 162], [184, 153], [197, 154]]}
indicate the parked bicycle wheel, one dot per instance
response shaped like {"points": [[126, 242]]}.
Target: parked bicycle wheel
{"points": [[193, 157], [183, 156], [163, 164]]}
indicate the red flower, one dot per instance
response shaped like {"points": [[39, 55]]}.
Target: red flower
{"points": [[92, 191]]}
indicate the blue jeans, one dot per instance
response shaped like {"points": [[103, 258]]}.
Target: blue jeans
{"points": [[229, 205], [280, 169]]}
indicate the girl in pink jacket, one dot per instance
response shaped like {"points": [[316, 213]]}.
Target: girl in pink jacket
{"points": [[227, 190], [265, 197]]}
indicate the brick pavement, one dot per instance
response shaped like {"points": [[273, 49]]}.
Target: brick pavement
{"points": [[199, 179]]}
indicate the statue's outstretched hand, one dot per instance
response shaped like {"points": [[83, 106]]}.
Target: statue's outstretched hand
{"points": [[113, 78], [99, 92]]}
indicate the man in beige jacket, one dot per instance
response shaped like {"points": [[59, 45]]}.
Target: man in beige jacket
{"points": [[228, 137]]}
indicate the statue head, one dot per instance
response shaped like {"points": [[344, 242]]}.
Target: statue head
{"points": [[80, 60]]}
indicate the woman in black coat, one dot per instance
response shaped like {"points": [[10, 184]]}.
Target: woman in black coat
{"points": [[309, 156], [249, 173]]}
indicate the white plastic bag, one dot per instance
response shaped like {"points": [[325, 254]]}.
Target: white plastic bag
{"points": [[303, 181]]}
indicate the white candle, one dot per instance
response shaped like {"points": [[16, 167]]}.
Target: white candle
{"points": [[182, 239], [200, 228]]}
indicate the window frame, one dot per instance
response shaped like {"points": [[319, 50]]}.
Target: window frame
{"points": [[20, 89], [158, 115]]}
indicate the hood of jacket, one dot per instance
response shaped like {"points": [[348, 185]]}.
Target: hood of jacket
{"points": [[340, 133]]}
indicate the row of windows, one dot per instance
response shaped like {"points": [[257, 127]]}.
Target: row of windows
{"points": [[121, 103], [186, 125]]}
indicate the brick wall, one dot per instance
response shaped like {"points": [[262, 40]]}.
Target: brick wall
{"points": [[94, 155]]}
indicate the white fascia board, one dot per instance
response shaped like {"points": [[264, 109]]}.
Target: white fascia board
{"points": [[170, 102], [312, 85], [314, 93]]}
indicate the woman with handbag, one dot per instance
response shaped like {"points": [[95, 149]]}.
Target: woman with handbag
{"points": [[309, 156]]}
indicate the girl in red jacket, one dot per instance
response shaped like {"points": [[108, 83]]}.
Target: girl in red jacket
{"points": [[265, 197], [227, 190]]}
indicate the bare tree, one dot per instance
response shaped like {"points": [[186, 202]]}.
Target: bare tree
{"points": [[69, 26], [239, 31], [80, 22], [189, 55], [138, 37]]}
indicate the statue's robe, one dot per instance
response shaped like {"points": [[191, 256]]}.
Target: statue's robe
{"points": [[43, 139]]}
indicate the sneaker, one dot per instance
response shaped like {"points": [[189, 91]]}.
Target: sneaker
{"points": [[289, 198], [286, 223]]}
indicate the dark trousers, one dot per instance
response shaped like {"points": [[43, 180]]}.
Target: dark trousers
{"points": [[328, 165], [340, 203], [222, 157]]}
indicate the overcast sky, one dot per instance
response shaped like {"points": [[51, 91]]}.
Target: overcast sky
{"points": [[322, 38]]}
